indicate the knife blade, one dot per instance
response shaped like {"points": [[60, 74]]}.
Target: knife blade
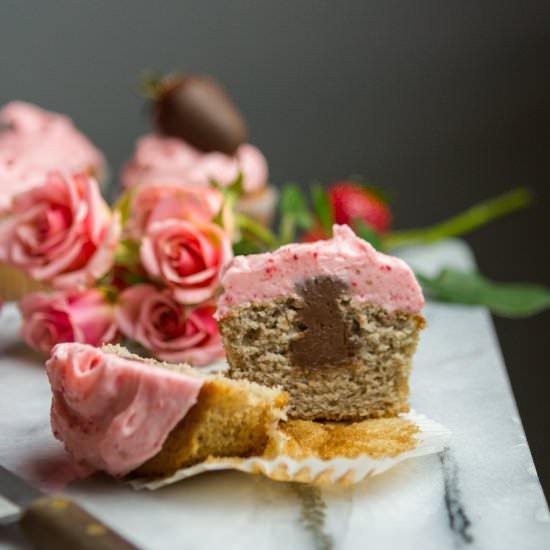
{"points": [[53, 522], [15, 493]]}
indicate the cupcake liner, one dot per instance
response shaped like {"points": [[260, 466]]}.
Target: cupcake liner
{"points": [[430, 438]]}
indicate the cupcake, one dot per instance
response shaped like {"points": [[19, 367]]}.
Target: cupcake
{"points": [[334, 323], [34, 141], [124, 415], [166, 160]]}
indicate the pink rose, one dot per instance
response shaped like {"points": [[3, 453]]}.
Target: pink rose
{"points": [[74, 316], [171, 332], [61, 232], [150, 203], [187, 257]]}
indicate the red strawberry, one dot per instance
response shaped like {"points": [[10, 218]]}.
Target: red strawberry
{"points": [[350, 201]]}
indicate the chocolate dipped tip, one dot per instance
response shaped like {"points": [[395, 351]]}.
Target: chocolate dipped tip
{"points": [[196, 109]]}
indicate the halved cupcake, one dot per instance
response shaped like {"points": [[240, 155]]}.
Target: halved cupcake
{"points": [[335, 323], [122, 414]]}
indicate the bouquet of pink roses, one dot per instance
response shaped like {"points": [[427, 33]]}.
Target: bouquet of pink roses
{"points": [[146, 273]]}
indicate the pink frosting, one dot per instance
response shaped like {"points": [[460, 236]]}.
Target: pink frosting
{"points": [[159, 159], [111, 412], [34, 142], [372, 277]]}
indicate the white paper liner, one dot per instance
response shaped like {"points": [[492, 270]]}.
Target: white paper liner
{"points": [[432, 438]]}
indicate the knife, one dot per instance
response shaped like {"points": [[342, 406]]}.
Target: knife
{"points": [[53, 522]]}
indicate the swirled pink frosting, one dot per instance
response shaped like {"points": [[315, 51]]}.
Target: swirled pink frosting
{"points": [[159, 159], [114, 413], [34, 142], [371, 276]]}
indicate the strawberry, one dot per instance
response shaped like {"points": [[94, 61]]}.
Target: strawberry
{"points": [[351, 202], [195, 108]]}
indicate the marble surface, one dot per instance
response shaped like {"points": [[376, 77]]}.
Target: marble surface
{"points": [[482, 493]]}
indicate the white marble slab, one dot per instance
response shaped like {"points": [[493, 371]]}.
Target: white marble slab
{"points": [[483, 493]]}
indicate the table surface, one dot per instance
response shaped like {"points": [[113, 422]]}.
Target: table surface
{"points": [[483, 492]]}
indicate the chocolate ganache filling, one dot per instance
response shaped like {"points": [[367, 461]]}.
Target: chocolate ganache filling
{"points": [[325, 339]]}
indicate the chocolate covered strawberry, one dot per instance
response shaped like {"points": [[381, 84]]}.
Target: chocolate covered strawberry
{"points": [[196, 109], [352, 202]]}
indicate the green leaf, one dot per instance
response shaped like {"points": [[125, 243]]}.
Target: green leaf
{"points": [[367, 233], [231, 194], [123, 204], [506, 299], [110, 293], [235, 188], [323, 208], [246, 247], [134, 278], [465, 222], [127, 253], [150, 85], [293, 203], [256, 230], [294, 212]]}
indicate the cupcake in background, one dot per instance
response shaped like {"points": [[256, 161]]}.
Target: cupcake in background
{"points": [[200, 138], [34, 141]]}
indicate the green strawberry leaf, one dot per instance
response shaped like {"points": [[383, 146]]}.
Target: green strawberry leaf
{"points": [[323, 208], [505, 299], [367, 233], [150, 85]]}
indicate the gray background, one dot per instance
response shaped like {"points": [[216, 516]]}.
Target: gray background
{"points": [[444, 103]]}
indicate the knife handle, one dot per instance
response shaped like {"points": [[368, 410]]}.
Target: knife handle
{"points": [[55, 522]]}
